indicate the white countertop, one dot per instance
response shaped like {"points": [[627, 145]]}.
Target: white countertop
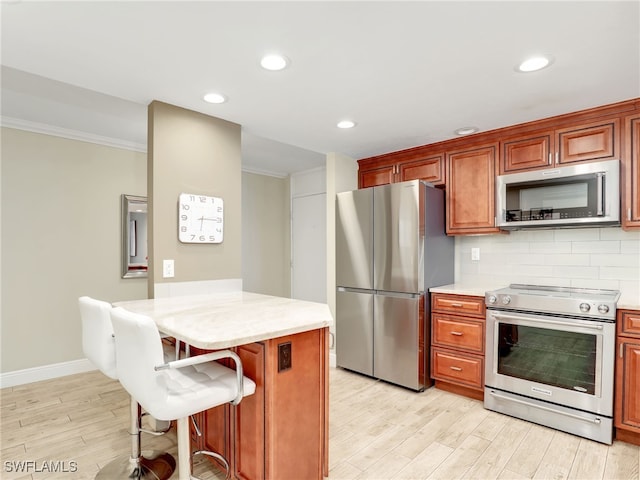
{"points": [[224, 320], [628, 300]]}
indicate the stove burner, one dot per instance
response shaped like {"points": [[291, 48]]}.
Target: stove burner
{"points": [[571, 301]]}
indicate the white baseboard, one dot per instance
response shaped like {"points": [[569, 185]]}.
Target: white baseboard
{"points": [[46, 372], [332, 359]]}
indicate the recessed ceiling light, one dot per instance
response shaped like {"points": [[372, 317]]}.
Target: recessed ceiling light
{"points": [[466, 130], [346, 124], [535, 63], [274, 62], [215, 98]]}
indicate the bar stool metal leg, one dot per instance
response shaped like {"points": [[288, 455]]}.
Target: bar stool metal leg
{"points": [[150, 464]]}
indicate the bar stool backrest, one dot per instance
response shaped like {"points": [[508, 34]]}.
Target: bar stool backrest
{"points": [[139, 351], [98, 343]]}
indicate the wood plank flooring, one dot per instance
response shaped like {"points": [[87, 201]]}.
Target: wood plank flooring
{"points": [[378, 431]]}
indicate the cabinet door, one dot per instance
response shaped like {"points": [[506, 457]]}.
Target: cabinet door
{"points": [[429, 169], [471, 191], [627, 408], [589, 142], [377, 176], [529, 153], [631, 174]]}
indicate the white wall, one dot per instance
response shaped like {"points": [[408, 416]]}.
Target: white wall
{"points": [[308, 235], [588, 258]]}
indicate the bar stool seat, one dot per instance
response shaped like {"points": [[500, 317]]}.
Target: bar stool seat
{"points": [[98, 345], [177, 389]]}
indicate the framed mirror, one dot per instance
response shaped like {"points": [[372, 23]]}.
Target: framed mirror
{"points": [[134, 236]]}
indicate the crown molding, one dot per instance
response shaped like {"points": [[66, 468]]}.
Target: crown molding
{"points": [[268, 173], [43, 128]]}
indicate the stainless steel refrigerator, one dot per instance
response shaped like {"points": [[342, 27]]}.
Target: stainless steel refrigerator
{"points": [[391, 247]]}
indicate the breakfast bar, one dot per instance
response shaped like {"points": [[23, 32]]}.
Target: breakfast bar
{"points": [[282, 430]]}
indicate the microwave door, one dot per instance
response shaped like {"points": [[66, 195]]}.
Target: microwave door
{"points": [[570, 196]]}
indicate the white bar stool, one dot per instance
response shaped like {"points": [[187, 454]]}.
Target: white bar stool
{"points": [[177, 389], [98, 344]]}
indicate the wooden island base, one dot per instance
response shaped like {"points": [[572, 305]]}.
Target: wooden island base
{"points": [[281, 431]]}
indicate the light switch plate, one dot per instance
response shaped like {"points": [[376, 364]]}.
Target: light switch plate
{"points": [[475, 254], [167, 269]]}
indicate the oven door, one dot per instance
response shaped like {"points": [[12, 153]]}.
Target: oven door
{"points": [[566, 361]]}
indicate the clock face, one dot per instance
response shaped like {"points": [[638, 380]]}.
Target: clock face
{"points": [[200, 219]]}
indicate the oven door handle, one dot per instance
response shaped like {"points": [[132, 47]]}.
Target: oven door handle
{"points": [[553, 322], [547, 409]]}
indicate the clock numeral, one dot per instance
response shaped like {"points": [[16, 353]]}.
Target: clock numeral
{"points": [[192, 198], [212, 238], [184, 217], [219, 209], [202, 238], [185, 207], [183, 228], [203, 199]]}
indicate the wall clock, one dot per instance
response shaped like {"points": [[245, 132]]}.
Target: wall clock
{"points": [[200, 219]]}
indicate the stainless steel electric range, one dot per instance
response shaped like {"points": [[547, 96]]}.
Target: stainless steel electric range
{"points": [[550, 356]]}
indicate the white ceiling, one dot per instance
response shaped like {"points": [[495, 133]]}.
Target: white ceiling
{"points": [[409, 73]]}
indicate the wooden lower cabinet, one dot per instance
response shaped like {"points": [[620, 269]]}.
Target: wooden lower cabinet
{"points": [[627, 394], [457, 343], [281, 431]]}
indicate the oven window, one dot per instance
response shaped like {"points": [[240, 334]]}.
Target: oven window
{"points": [[552, 357]]}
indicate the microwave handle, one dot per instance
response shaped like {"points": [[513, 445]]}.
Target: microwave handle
{"points": [[599, 204]]}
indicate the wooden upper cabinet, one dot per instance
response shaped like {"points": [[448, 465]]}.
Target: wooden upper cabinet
{"points": [[429, 169], [400, 167], [470, 193], [600, 141], [589, 142], [376, 176], [631, 174], [528, 153]]}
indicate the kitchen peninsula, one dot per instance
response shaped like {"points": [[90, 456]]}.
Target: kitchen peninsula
{"points": [[282, 430]]}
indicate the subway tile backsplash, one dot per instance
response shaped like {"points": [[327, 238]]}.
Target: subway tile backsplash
{"points": [[586, 258]]}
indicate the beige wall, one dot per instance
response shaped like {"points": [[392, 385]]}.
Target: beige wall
{"points": [[60, 240], [192, 153], [266, 227]]}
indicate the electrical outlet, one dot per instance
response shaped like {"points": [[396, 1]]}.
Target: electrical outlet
{"points": [[167, 269], [284, 356], [475, 254]]}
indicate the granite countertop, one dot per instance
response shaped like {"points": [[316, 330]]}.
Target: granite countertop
{"points": [[224, 320], [629, 300]]}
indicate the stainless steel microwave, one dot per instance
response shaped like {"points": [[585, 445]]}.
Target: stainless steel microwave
{"points": [[582, 195]]}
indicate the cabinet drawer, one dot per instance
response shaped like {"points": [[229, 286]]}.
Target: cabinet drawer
{"points": [[458, 332], [456, 368], [630, 323], [441, 302]]}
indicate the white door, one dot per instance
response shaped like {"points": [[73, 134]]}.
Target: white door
{"points": [[309, 248]]}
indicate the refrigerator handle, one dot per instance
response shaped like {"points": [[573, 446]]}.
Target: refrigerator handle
{"points": [[397, 294], [354, 290]]}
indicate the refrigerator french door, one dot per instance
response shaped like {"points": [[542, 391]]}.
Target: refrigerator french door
{"points": [[389, 249]]}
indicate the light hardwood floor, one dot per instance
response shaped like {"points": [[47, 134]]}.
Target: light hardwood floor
{"points": [[377, 431]]}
